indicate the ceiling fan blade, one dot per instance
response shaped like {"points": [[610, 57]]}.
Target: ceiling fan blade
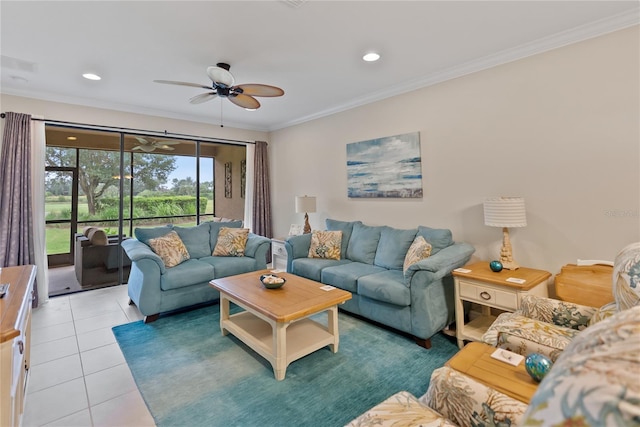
{"points": [[220, 76], [167, 142], [204, 97], [171, 82], [142, 140], [244, 101], [255, 89], [165, 147]]}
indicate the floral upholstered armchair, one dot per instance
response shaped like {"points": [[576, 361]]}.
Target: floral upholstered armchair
{"points": [[547, 326]]}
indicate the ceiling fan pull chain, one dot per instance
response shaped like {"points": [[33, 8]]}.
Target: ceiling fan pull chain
{"points": [[221, 118]]}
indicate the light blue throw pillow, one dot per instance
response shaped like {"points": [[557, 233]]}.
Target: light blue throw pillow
{"points": [[146, 234], [346, 227], [363, 243], [439, 238], [393, 247], [196, 239]]}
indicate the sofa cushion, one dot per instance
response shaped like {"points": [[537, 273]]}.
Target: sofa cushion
{"points": [[190, 272], [144, 234], [363, 243], [419, 250], [393, 246], [626, 277], [387, 286], [215, 230], [325, 244], [231, 242], [346, 227], [196, 239], [170, 248], [346, 276], [311, 268], [229, 266], [439, 238]]}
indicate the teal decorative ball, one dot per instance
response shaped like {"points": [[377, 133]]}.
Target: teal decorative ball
{"points": [[537, 365], [495, 266]]}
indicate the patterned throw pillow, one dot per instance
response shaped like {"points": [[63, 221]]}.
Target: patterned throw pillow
{"points": [[419, 250], [231, 242], [325, 244], [170, 248]]}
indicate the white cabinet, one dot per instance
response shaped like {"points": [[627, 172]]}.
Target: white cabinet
{"points": [[279, 254], [15, 338]]}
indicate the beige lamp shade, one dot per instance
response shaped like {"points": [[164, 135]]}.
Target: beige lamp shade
{"points": [[505, 212], [306, 204]]}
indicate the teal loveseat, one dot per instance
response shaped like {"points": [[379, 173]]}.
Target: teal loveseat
{"points": [[155, 288], [418, 301]]}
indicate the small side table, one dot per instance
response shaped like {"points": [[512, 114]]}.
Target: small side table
{"points": [[489, 289], [476, 362], [278, 254]]}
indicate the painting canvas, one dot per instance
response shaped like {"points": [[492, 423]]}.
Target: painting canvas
{"points": [[227, 180], [385, 167]]}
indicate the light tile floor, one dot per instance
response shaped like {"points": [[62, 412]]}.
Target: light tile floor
{"points": [[78, 374]]}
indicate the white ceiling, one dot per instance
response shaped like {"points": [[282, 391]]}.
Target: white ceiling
{"points": [[311, 49]]}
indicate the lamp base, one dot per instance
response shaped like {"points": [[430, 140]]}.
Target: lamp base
{"points": [[506, 256], [307, 227]]}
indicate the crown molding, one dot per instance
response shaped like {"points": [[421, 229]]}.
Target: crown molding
{"points": [[564, 38]]}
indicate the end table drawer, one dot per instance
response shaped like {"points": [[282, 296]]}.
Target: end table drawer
{"points": [[279, 249], [488, 296]]}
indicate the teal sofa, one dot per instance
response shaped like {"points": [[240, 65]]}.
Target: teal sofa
{"points": [[418, 301], [155, 289]]}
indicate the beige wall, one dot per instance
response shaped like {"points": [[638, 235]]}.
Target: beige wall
{"points": [[229, 208], [559, 129]]}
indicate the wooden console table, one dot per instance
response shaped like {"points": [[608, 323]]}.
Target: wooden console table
{"points": [[15, 339]]}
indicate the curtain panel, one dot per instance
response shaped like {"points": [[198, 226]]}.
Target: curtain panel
{"points": [[262, 223]]}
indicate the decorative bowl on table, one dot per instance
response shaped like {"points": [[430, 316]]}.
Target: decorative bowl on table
{"points": [[537, 365], [271, 281]]}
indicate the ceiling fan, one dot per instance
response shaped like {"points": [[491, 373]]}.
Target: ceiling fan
{"points": [[223, 86], [151, 144]]}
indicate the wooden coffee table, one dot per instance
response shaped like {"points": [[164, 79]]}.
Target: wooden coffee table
{"points": [[276, 322], [475, 361]]}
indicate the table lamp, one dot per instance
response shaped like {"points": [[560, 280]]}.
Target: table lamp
{"points": [[306, 204], [505, 212]]}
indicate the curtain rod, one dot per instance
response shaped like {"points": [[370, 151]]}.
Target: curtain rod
{"points": [[137, 131]]}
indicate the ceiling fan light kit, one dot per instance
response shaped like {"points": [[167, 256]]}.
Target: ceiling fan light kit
{"points": [[223, 87]]}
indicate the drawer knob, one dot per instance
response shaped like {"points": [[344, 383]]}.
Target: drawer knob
{"points": [[21, 347], [485, 295]]}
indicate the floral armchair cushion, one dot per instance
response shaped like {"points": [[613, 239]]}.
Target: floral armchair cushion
{"points": [[401, 409], [524, 335], [595, 380], [558, 312], [467, 402]]}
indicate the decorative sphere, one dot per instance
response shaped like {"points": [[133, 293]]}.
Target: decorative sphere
{"points": [[537, 365], [495, 266]]}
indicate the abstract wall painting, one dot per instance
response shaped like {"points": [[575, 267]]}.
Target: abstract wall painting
{"points": [[385, 167], [243, 177], [227, 180]]}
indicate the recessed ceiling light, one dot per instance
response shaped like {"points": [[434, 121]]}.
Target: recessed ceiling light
{"points": [[371, 56], [71, 138], [91, 76]]}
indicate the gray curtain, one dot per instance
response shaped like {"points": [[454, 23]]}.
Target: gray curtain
{"points": [[16, 225], [262, 193]]}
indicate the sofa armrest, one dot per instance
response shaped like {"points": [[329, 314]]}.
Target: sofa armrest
{"points": [[560, 313], [465, 401], [443, 262], [136, 250]]}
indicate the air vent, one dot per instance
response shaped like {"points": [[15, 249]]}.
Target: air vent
{"points": [[17, 64], [294, 3]]}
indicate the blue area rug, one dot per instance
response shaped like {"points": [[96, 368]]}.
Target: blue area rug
{"points": [[190, 375]]}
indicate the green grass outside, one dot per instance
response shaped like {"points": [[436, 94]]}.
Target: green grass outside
{"points": [[57, 235]]}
